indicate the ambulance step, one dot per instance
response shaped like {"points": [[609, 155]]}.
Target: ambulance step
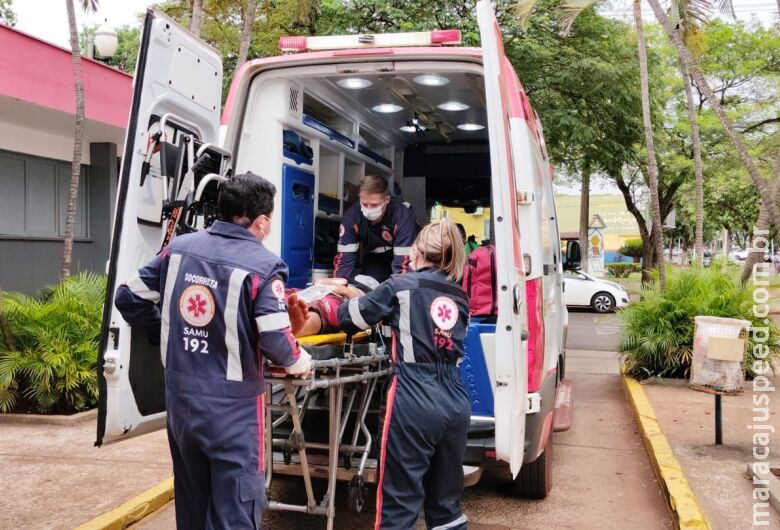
{"points": [[563, 414]]}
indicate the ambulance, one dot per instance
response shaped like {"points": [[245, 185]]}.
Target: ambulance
{"points": [[443, 123]]}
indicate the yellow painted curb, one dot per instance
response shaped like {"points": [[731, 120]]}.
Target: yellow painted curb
{"points": [[133, 510], [686, 510]]}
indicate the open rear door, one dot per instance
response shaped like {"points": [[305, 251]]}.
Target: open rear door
{"points": [[169, 147], [511, 371]]}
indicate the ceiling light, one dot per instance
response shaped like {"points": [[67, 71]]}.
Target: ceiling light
{"points": [[453, 106], [353, 83], [387, 108], [470, 127], [431, 80], [411, 128]]}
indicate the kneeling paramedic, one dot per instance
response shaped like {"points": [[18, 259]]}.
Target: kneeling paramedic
{"points": [[215, 302], [427, 409]]}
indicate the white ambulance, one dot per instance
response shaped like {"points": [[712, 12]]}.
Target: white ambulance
{"points": [[445, 124]]}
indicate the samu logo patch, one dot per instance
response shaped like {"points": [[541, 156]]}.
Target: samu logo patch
{"points": [[196, 305]]}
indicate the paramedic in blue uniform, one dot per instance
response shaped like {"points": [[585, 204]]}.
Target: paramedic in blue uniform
{"points": [[214, 300], [427, 409], [375, 234]]}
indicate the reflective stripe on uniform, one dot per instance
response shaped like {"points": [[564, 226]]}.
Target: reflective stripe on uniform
{"points": [[405, 326], [381, 250], [272, 322], [165, 317], [401, 251], [140, 289], [235, 372], [457, 522], [352, 247], [354, 314]]}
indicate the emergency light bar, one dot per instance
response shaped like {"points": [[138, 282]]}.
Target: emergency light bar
{"points": [[293, 44]]}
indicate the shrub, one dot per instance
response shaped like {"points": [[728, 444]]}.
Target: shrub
{"points": [[49, 350], [632, 248], [623, 270], [658, 335]]}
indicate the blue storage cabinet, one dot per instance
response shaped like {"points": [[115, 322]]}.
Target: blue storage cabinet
{"points": [[297, 223], [474, 372]]}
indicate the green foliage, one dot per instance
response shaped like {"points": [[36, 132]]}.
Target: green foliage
{"points": [[128, 41], [632, 248], [658, 335], [623, 270], [51, 366], [7, 15]]}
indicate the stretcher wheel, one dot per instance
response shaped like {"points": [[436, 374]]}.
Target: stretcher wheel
{"points": [[357, 494]]}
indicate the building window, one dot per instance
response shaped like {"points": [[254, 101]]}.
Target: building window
{"points": [[34, 197]]}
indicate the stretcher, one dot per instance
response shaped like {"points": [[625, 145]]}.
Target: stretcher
{"points": [[340, 392]]}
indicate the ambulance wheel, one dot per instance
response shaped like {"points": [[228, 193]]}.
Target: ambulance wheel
{"points": [[602, 302], [535, 478], [357, 494]]}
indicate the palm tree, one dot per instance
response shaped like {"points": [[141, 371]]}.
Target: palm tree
{"points": [[763, 223], [571, 9], [78, 140], [246, 32], [197, 17], [767, 198], [652, 164], [689, 16]]}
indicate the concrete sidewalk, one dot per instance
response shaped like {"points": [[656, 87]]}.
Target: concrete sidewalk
{"points": [[717, 474], [55, 479], [602, 475]]}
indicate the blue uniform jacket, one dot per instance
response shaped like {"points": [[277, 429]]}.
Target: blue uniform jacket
{"points": [[428, 313], [385, 245], [215, 300]]}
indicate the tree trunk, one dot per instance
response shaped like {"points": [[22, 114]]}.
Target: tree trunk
{"points": [[246, 33], [652, 167], [78, 141], [197, 17], [698, 245], [761, 228], [584, 218], [761, 185], [644, 233]]}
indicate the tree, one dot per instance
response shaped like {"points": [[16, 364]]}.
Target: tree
{"points": [[78, 137], [196, 21], [652, 164], [767, 198], [7, 15], [246, 33]]}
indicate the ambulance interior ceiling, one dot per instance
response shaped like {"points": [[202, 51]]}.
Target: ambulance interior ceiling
{"points": [[437, 119]]}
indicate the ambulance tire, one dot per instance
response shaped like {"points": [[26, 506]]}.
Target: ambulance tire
{"points": [[535, 479]]}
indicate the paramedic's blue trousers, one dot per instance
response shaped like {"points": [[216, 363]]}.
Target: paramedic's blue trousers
{"points": [[215, 431], [427, 412]]}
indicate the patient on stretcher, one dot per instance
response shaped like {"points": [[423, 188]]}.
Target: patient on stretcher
{"points": [[318, 317]]}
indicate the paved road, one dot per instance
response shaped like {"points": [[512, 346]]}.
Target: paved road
{"points": [[593, 331]]}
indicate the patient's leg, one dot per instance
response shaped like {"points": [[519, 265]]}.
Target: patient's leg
{"points": [[302, 321]]}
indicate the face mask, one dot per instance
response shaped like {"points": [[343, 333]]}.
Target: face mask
{"points": [[372, 214]]}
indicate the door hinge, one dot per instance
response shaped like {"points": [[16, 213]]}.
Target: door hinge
{"points": [[534, 403]]}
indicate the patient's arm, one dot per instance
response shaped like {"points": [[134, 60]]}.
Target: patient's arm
{"points": [[348, 292]]}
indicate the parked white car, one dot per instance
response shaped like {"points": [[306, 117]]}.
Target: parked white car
{"points": [[583, 290]]}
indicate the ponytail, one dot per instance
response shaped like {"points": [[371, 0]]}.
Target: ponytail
{"points": [[441, 244]]}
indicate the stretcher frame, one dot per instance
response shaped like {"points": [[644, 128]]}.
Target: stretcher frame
{"points": [[345, 378]]}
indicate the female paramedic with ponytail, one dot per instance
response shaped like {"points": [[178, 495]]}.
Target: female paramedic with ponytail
{"points": [[427, 409]]}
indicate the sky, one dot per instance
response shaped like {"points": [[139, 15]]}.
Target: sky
{"points": [[47, 19]]}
